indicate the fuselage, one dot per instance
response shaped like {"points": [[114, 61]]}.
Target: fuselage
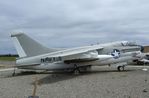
{"points": [[52, 61]]}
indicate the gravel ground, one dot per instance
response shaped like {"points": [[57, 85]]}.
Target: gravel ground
{"points": [[101, 82]]}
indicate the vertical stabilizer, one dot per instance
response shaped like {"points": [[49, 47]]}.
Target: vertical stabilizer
{"points": [[27, 47]]}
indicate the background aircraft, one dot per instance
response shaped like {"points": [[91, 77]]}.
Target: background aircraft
{"points": [[33, 55], [144, 60]]}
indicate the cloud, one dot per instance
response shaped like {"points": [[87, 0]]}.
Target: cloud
{"points": [[69, 23]]}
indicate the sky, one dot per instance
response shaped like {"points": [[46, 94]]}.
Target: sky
{"points": [[72, 23]]}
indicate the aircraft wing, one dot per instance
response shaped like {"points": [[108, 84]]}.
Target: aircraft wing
{"points": [[76, 51], [77, 55], [80, 55]]}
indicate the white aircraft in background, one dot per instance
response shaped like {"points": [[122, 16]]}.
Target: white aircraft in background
{"points": [[33, 55], [144, 60]]}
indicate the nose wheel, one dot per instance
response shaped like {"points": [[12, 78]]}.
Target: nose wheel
{"points": [[121, 68]]}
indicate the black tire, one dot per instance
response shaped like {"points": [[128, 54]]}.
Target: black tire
{"points": [[120, 68], [76, 71]]}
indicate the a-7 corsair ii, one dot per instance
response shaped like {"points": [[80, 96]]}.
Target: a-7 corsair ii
{"points": [[33, 55]]}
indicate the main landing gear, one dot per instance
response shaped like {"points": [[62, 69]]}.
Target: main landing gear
{"points": [[77, 69]]}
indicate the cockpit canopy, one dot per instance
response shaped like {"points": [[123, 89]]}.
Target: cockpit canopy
{"points": [[126, 43]]}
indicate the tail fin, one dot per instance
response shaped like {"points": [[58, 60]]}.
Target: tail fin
{"points": [[27, 47]]}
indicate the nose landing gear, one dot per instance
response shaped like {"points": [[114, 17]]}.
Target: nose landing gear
{"points": [[121, 68]]}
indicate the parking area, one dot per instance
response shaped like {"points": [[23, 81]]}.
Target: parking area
{"points": [[101, 82]]}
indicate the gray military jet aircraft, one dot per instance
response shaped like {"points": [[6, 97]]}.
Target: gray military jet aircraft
{"points": [[33, 55]]}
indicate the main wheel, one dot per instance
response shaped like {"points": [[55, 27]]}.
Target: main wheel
{"points": [[76, 71]]}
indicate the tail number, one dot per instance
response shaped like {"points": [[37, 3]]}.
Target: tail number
{"points": [[51, 59]]}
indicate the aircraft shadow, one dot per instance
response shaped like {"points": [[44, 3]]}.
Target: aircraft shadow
{"points": [[62, 76], [54, 77]]}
